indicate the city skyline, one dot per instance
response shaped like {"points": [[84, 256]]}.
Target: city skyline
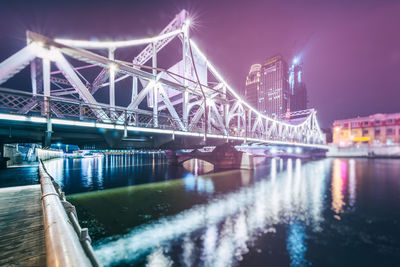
{"points": [[339, 42]]}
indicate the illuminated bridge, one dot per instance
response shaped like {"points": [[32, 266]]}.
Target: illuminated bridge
{"points": [[148, 100]]}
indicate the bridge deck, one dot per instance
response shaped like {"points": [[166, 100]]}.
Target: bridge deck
{"points": [[22, 241]]}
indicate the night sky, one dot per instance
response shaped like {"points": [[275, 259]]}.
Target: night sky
{"points": [[350, 49]]}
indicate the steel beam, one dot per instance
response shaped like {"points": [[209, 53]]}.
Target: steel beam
{"points": [[46, 85], [171, 108], [74, 80], [155, 87], [17, 62], [112, 70], [33, 77]]}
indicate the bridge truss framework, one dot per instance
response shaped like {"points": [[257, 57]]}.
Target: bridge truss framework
{"points": [[190, 97]]}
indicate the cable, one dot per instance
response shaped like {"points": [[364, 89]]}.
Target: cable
{"points": [[204, 95]]}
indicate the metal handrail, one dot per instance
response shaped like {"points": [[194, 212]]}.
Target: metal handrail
{"points": [[79, 102], [67, 244]]}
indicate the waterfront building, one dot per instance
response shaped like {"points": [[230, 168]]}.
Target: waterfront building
{"points": [[377, 129], [274, 89], [273, 97], [298, 90], [252, 87]]}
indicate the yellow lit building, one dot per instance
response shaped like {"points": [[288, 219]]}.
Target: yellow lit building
{"points": [[377, 129]]}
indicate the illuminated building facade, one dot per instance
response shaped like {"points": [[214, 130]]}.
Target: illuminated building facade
{"points": [[377, 129], [273, 97], [274, 89], [298, 90], [252, 87]]}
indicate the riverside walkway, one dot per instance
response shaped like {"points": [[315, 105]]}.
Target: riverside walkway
{"points": [[38, 227], [22, 237]]}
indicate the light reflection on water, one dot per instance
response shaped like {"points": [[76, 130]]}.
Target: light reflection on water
{"points": [[94, 173], [352, 183], [337, 185], [289, 212], [296, 244], [198, 184], [230, 223]]}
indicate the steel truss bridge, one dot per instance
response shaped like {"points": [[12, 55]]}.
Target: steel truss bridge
{"points": [[186, 98]]}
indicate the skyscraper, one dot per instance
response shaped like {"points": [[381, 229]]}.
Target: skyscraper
{"points": [[298, 90], [273, 97], [252, 87]]}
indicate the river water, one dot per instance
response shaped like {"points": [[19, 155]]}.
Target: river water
{"points": [[287, 212]]}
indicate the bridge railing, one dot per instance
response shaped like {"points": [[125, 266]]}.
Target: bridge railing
{"points": [[26, 103], [45, 154], [67, 244]]}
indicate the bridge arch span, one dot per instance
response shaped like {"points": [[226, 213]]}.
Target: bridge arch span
{"points": [[181, 162]]}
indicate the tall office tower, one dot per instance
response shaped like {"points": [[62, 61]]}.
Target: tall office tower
{"points": [[252, 85], [298, 90], [273, 96]]}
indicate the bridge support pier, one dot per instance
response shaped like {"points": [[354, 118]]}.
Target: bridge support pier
{"points": [[47, 134], [172, 158], [226, 156], [47, 139], [3, 160]]}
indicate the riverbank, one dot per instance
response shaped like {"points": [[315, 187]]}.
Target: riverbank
{"points": [[364, 152]]}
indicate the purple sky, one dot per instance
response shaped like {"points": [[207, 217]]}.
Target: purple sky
{"points": [[350, 49]]}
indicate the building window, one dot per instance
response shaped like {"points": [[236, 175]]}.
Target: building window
{"points": [[377, 122], [389, 131], [354, 124], [389, 121], [365, 132], [366, 123], [377, 131]]}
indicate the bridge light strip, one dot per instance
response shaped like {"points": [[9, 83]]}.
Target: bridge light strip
{"points": [[38, 119], [116, 44], [13, 117], [147, 130]]}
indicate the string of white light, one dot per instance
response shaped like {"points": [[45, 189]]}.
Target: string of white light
{"points": [[115, 44]]}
